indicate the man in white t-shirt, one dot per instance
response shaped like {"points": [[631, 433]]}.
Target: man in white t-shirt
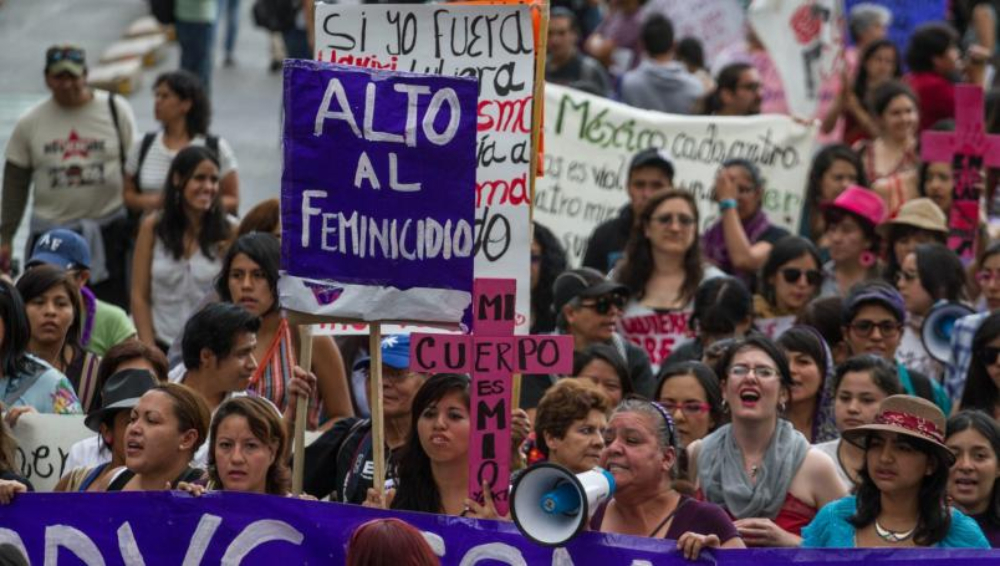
{"points": [[71, 147]]}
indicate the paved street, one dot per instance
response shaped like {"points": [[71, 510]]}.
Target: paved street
{"points": [[246, 98]]}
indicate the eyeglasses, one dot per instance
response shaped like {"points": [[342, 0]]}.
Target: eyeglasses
{"points": [[687, 407], [984, 276], [888, 328], [762, 372], [907, 276], [794, 275], [989, 355], [685, 220], [603, 305]]}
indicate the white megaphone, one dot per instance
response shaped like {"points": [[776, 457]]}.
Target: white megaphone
{"points": [[551, 505], [938, 326]]}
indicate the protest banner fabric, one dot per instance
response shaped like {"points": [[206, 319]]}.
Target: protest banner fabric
{"points": [[805, 39], [377, 206], [237, 528], [493, 43], [43, 444], [591, 140]]}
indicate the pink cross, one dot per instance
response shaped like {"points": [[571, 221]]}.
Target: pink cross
{"points": [[492, 355], [968, 149]]}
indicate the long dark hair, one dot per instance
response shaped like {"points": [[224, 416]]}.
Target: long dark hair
{"points": [[609, 355], [36, 282], [417, 490], [552, 263], [980, 391], [941, 272], [17, 333], [785, 250], [897, 232], [935, 517], [987, 426], [720, 303], [861, 81], [638, 265], [266, 424], [173, 222], [187, 86], [822, 163], [263, 249]]}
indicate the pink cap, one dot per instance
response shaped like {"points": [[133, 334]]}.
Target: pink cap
{"points": [[861, 202]]}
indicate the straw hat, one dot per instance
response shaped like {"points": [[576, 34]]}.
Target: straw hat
{"points": [[920, 213], [908, 415]]}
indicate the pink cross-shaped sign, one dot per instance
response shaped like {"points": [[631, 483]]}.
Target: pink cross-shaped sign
{"points": [[492, 354], [968, 149]]}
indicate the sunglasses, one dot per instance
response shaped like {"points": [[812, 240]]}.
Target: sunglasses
{"points": [[888, 328], [794, 275], [989, 355], [687, 407], [68, 54], [685, 220], [603, 305]]}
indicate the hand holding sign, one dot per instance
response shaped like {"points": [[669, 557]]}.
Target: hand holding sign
{"points": [[491, 355]]}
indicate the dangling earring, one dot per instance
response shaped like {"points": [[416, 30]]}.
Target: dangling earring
{"points": [[782, 406], [725, 406], [867, 259]]}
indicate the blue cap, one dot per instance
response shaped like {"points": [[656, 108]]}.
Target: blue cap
{"points": [[63, 248], [395, 353]]}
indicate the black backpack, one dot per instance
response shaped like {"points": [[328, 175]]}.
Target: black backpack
{"points": [[163, 10], [276, 15]]}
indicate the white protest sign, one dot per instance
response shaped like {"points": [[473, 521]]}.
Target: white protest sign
{"points": [[774, 327], [589, 142], [360, 329], [43, 443], [716, 23], [805, 39], [493, 43]]}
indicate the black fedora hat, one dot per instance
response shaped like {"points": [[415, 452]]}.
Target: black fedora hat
{"points": [[121, 391]]}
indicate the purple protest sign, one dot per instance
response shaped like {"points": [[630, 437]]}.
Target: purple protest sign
{"points": [[378, 193], [232, 528]]}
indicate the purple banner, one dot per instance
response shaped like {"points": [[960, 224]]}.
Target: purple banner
{"points": [[379, 179], [130, 529]]}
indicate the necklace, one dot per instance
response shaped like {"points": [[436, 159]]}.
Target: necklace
{"points": [[892, 536]]}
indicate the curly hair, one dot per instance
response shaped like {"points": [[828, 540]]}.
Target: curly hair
{"points": [[266, 425], [638, 265], [567, 401], [553, 262]]}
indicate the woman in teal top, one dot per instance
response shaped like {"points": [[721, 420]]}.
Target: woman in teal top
{"points": [[901, 500]]}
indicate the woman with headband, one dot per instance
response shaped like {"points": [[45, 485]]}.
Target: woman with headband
{"points": [[640, 452]]}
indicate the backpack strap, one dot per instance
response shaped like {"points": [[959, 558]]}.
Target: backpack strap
{"points": [[120, 480], [118, 132], [147, 143], [212, 143]]}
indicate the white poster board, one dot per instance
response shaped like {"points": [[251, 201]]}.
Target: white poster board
{"points": [[589, 142]]}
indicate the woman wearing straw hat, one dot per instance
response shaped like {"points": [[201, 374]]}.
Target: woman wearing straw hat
{"points": [[902, 498], [920, 221], [851, 220]]}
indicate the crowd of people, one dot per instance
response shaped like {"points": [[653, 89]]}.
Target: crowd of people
{"points": [[802, 407]]}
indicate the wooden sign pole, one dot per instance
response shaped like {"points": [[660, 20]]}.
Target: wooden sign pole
{"points": [[301, 411], [378, 424]]}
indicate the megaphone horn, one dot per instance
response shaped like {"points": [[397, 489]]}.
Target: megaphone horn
{"points": [[550, 505], [938, 326]]}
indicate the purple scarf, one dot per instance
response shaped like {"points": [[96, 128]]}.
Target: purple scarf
{"points": [[714, 240]]}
